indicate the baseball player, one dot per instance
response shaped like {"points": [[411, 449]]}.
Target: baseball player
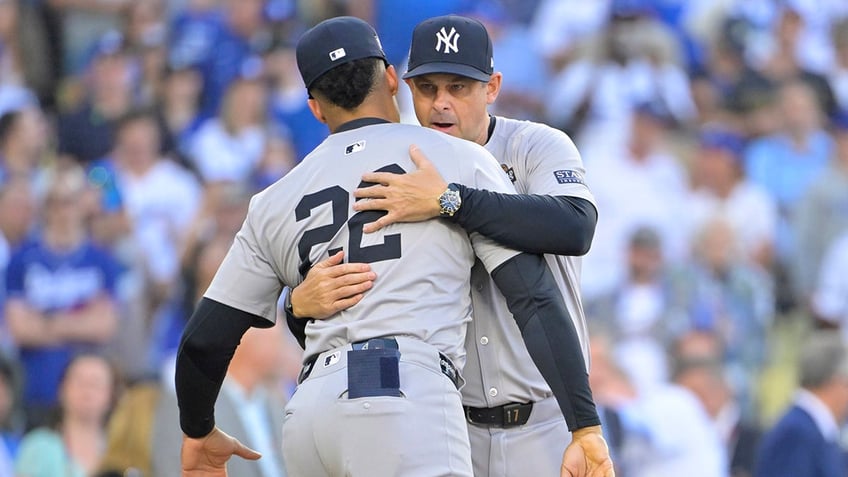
{"points": [[515, 425], [378, 394]]}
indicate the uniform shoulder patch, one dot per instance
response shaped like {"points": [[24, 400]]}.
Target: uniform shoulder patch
{"points": [[510, 172], [568, 177], [355, 147]]}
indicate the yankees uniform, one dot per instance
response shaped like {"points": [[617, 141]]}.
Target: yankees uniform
{"points": [[530, 438], [515, 425], [378, 394], [422, 298]]}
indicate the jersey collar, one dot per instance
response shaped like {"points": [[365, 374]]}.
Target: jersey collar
{"points": [[358, 123], [491, 128]]}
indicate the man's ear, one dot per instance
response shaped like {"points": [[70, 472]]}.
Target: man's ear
{"points": [[315, 107], [493, 87], [392, 79]]}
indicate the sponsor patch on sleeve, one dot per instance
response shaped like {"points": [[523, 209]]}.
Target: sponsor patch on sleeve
{"points": [[568, 177]]}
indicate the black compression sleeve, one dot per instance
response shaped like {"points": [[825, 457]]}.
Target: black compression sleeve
{"points": [[206, 348], [549, 334], [560, 225], [297, 326]]}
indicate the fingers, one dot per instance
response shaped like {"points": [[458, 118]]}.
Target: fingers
{"points": [[245, 452], [418, 158], [378, 224], [379, 178], [333, 260], [348, 269]]}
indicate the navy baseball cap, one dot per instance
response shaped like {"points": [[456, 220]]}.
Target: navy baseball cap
{"points": [[335, 42], [451, 44]]}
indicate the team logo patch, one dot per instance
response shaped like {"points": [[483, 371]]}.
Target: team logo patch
{"points": [[332, 359], [448, 40], [337, 54], [568, 177], [510, 172], [355, 147]]}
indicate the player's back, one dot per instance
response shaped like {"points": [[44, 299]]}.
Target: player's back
{"points": [[422, 285]]}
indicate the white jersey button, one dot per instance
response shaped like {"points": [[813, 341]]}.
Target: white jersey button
{"points": [[493, 392], [484, 340]]}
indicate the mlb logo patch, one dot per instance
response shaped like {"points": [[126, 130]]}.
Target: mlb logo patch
{"points": [[355, 147], [332, 359], [568, 177], [338, 53]]}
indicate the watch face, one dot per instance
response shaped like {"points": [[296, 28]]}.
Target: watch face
{"points": [[449, 202]]}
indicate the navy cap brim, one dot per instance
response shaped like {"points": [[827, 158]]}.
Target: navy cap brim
{"points": [[448, 68]]}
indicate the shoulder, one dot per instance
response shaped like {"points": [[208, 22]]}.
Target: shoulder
{"points": [[41, 437], [531, 132], [795, 423]]}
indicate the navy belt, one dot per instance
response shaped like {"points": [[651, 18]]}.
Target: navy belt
{"points": [[445, 364], [509, 415]]}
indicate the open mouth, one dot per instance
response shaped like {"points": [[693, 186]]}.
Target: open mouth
{"points": [[442, 125]]}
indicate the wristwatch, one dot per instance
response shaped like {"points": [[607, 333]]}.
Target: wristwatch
{"points": [[450, 201]]}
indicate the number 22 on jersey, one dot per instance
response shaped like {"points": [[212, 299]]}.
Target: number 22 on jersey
{"points": [[339, 200]]}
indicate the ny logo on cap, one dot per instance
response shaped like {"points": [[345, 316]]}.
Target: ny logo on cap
{"points": [[447, 39]]}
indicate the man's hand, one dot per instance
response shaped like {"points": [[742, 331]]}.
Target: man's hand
{"points": [[331, 286], [587, 455], [412, 197], [208, 455]]}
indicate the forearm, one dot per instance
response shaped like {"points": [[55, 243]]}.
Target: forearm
{"points": [[549, 334], [559, 225], [28, 327], [206, 348], [96, 323]]}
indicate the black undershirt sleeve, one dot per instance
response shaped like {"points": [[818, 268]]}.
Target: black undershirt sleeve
{"points": [[209, 340], [549, 334], [558, 225]]}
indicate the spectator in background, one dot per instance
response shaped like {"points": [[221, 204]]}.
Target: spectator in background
{"points": [[636, 185], [220, 42], [830, 296], [783, 65], [721, 190], [667, 431], [250, 405], [724, 294], [786, 163], [229, 148], [130, 433], [73, 445], [287, 96], [60, 292], [697, 367], [17, 217], [637, 63], [638, 312], [805, 442], [563, 28], [159, 220], [178, 108], [838, 73], [146, 38], [822, 215], [82, 22], [23, 144], [27, 74], [745, 94], [88, 132]]}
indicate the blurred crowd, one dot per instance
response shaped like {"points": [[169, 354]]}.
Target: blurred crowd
{"points": [[715, 138]]}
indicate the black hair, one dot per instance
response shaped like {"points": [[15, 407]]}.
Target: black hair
{"points": [[347, 85], [7, 124]]}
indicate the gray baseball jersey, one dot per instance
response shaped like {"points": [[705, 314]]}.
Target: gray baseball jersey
{"points": [[499, 370], [540, 160], [422, 289]]}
